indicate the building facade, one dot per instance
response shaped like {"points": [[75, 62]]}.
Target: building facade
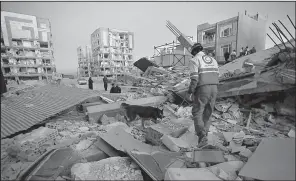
{"points": [[233, 34], [26, 47], [86, 67], [112, 51]]}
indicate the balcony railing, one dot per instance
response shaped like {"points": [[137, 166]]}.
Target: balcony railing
{"points": [[208, 41]]}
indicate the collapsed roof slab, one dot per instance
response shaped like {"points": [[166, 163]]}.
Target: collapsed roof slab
{"points": [[26, 110]]}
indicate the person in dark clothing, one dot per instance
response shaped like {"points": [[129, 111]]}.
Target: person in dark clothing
{"points": [[118, 89], [2, 84], [90, 83], [226, 56], [113, 88], [253, 50], [105, 80]]}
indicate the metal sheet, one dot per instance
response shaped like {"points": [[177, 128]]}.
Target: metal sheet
{"points": [[274, 159]]}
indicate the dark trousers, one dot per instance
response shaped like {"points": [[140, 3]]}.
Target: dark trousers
{"points": [[203, 106], [105, 86]]}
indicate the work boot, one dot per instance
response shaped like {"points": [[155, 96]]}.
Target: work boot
{"points": [[202, 140]]}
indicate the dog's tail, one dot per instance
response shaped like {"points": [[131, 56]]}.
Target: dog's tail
{"points": [[124, 105]]}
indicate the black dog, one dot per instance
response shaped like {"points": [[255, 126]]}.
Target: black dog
{"points": [[144, 112]]}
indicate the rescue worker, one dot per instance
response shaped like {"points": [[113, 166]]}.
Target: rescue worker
{"points": [[202, 91]]}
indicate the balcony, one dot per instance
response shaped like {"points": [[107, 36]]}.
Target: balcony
{"points": [[209, 41]]}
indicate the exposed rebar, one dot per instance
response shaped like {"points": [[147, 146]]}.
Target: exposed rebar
{"points": [[278, 29], [287, 30], [274, 41], [291, 21]]}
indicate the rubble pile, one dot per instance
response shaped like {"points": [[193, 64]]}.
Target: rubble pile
{"points": [[169, 149], [114, 168]]}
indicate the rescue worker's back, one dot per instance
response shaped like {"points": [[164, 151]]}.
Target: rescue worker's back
{"points": [[204, 76]]}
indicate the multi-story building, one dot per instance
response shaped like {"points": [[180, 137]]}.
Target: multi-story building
{"points": [[233, 34], [26, 46], [112, 51], [85, 61]]}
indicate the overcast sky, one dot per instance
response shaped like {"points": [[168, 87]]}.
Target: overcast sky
{"points": [[73, 22]]}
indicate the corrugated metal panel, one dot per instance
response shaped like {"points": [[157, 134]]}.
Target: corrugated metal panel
{"points": [[21, 112]]}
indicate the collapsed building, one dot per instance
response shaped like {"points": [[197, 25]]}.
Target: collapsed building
{"points": [[26, 47]]}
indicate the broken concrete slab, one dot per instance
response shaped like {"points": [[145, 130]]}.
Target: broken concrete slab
{"points": [[93, 153], [121, 140], [156, 163], [229, 169], [266, 164], [246, 152], [83, 145], [55, 164], [190, 174], [187, 140], [156, 131], [209, 156], [106, 148], [228, 136], [95, 112]]}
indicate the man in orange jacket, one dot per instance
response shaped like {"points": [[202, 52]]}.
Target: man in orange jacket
{"points": [[204, 74]]}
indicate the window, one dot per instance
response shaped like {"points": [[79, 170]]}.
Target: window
{"points": [[226, 31], [225, 48]]}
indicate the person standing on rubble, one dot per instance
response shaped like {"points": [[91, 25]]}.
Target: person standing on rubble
{"points": [[105, 80], [202, 91], [90, 83]]}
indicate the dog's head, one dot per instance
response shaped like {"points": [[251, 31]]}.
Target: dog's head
{"points": [[160, 113], [124, 105]]}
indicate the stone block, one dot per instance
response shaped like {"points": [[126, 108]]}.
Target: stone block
{"points": [[156, 131], [93, 154]]}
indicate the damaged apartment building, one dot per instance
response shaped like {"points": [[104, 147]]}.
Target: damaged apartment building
{"points": [[112, 50], [26, 47], [233, 34], [85, 61]]}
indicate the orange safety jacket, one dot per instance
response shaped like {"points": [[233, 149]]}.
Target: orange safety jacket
{"points": [[204, 69]]}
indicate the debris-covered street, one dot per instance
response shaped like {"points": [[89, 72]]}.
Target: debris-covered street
{"points": [[69, 131]]}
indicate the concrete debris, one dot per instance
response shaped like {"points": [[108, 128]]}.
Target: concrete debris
{"points": [[114, 168], [291, 133]]}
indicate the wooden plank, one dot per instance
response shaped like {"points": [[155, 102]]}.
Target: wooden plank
{"points": [[110, 110]]}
